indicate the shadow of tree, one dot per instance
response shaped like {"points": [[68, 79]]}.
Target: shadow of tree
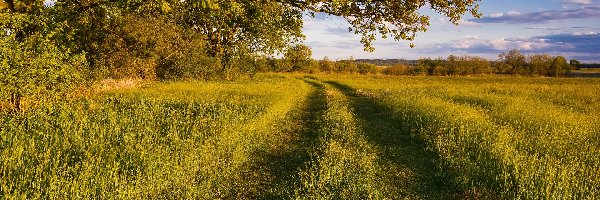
{"points": [[410, 169]]}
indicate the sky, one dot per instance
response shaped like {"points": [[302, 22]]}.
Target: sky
{"points": [[569, 28]]}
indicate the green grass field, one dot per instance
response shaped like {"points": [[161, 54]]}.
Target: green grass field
{"points": [[311, 137]]}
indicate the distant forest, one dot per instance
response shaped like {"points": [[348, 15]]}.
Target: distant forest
{"points": [[393, 62], [389, 62], [590, 65]]}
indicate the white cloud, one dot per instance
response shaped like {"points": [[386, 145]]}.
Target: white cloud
{"points": [[463, 22], [580, 2], [513, 17], [497, 15], [513, 13], [468, 42], [585, 33], [499, 44]]}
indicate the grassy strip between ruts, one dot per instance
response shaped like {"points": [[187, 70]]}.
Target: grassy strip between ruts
{"points": [[344, 166]]}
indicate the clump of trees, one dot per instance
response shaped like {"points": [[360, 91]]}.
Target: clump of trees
{"points": [[53, 46], [298, 59], [452, 66], [516, 63], [397, 70]]}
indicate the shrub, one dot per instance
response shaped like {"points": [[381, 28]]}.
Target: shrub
{"points": [[367, 68], [440, 71], [192, 67], [559, 67], [326, 65], [397, 70], [346, 67], [36, 68], [419, 70]]}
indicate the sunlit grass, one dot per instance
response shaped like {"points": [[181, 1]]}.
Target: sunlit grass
{"points": [[320, 137], [169, 140], [514, 137]]}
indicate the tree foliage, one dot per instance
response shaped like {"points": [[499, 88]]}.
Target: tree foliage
{"points": [[36, 67], [233, 27], [514, 62], [299, 57], [559, 67], [575, 64], [400, 20]]}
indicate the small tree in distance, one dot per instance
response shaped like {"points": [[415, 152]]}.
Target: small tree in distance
{"points": [[516, 62], [559, 67], [575, 64], [299, 57], [327, 65]]}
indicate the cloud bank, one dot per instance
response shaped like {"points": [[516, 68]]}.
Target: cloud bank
{"points": [[543, 16], [582, 46]]}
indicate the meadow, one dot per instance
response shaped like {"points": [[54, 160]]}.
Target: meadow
{"points": [[295, 136]]}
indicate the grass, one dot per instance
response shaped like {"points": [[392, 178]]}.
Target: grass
{"points": [[311, 137], [501, 137], [177, 140]]}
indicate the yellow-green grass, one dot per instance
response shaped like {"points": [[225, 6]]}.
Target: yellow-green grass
{"points": [[318, 137], [168, 140], [532, 138]]}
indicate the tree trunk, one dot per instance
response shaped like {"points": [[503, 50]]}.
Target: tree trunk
{"points": [[15, 100], [11, 5], [226, 62]]}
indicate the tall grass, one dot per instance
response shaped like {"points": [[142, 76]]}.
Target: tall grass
{"points": [[507, 137], [170, 140], [497, 137]]}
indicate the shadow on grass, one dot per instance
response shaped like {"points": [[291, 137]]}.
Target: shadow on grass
{"points": [[411, 170], [274, 173]]}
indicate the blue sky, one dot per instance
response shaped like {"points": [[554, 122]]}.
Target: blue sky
{"points": [[570, 28]]}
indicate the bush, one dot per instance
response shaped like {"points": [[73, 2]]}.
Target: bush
{"points": [[467, 65], [326, 65], [36, 69], [367, 68], [346, 67], [419, 70], [440, 71], [397, 70], [539, 64], [192, 67], [559, 67], [281, 65]]}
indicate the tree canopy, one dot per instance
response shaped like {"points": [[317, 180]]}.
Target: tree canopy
{"points": [[400, 20], [232, 26]]}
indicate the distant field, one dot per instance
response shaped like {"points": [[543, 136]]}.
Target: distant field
{"points": [[585, 73], [312, 137]]}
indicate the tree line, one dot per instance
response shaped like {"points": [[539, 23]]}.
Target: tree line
{"points": [[298, 59], [509, 63]]}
